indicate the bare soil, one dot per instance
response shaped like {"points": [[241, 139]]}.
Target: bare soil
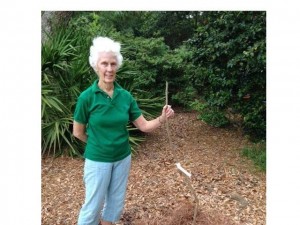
{"points": [[230, 189]]}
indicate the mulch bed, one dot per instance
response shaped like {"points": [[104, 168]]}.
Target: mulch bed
{"points": [[230, 189]]}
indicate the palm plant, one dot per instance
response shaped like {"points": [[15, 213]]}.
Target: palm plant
{"points": [[63, 76]]}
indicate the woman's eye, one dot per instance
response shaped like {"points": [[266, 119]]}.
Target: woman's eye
{"points": [[106, 64]]}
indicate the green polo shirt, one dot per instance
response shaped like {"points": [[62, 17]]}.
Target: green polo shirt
{"points": [[106, 120]]}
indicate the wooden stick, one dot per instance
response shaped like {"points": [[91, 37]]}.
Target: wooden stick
{"points": [[186, 174], [188, 181], [167, 87], [167, 123]]}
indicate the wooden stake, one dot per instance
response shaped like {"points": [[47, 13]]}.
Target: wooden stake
{"points": [[167, 123], [186, 174]]}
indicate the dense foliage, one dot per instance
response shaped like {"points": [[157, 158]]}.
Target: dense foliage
{"points": [[230, 51], [215, 62], [64, 74]]}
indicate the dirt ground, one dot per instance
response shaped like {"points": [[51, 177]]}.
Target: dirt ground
{"points": [[229, 189]]}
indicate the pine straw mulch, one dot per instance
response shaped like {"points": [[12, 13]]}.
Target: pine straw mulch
{"points": [[229, 188]]}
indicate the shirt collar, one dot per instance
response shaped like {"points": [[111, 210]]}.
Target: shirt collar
{"points": [[96, 89]]}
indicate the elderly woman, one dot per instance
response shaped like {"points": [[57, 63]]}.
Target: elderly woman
{"points": [[102, 112]]}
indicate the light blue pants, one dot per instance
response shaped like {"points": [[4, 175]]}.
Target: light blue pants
{"points": [[105, 184]]}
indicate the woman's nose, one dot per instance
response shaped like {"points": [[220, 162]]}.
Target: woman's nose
{"points": [[109, 67]]}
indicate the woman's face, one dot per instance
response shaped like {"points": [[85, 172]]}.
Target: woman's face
{"points": [[107, 67]]}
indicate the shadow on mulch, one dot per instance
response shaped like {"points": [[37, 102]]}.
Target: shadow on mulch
{"points": [[182, 216]]}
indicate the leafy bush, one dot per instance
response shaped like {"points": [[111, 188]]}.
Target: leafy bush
{"points": [[210, 115], [184, 97], [229, 49]]}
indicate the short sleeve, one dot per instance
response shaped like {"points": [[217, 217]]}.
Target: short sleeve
{"points": [[134, 111], [81, 110]]}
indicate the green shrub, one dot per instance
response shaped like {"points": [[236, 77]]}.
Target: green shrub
{"points": [[257, 153], [210, 115], [229, 50]]}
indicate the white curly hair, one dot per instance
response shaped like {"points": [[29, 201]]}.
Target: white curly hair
{"points": [[104, 44]]}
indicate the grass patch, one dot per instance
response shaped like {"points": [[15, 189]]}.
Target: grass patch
{"points": [[257, 153]]}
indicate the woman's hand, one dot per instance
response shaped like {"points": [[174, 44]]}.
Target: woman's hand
{"points": [[167, 112]]}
